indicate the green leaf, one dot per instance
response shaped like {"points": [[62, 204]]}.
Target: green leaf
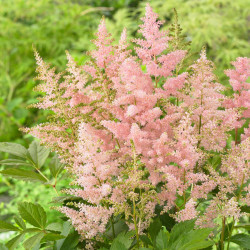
{"points": [[227, 230], [154, 229], [32, 241], [245, 209], [243, 225], [38, 153], [15, 162], [65, 232], [55, 166], [3, 247], [14, 149], [119, 227], [162, 239], [146, 240], [19, 221], [124, 239], [32, 230], [70, 242], [243, 240], [13, 243], [26, 175], [33, 214], [193, 240], [52, 237], [166, 220], [56, 226], [179, 229], [6, 227], [117, 245]]}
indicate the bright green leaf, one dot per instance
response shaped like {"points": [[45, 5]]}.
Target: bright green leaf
{"points": [[65, 232], [26, 175], [55, 166], [32, 241], [56, 226], [193, 240], [3, 247], [154, 229], [33, 214], [180, 229], [70, 242], [52, 237], [162, 239], [32, 230], [13, 243], [38, 153], [14, 149], [117, 245], [6, 227], [242, 240], [123, 238], [15, 162], [19, 221]]}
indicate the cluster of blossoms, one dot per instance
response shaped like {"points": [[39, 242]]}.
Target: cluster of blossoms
{"points": [[137, 131]]}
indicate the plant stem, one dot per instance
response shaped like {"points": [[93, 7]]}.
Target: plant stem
{"points": [[230, 234], [135, 223], [184, 194], [238, 198], [223, 233], [236, 135], [112, 226]]}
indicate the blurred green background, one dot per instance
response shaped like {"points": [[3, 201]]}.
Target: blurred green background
{"points": [[53, 26]]}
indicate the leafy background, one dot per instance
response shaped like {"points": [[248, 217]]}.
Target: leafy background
{"points": [[53, 26]]}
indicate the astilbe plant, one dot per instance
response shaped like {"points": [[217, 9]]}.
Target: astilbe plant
{"points": [[137, 133]]}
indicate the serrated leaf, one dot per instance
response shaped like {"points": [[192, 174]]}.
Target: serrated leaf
{"points": [[242, 240], [56, 226], [119, 227], [162, 239], [60, 199], [154, 229], [6, 227], [15, 162], [38, 153], [14, 149], [193, 240], [70, 242], [123, 238], [117, 245], [13, 243], [26, 175], [55, 166], [33, 214], [32, 230], [179, 229], [52, 237], [65, 232], [19, 221], [32, 241], [146, 240]]}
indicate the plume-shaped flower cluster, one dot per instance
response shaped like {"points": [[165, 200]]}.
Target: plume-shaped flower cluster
{"points": [[129, 146]]}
